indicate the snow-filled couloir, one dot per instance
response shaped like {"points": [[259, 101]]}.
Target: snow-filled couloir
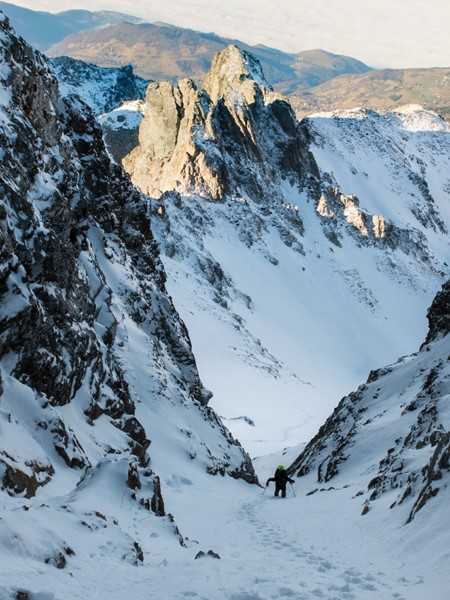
{"points": [[301, 256]]}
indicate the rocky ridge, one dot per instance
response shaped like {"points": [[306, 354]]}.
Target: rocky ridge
{"points": [[392, 434], [115, 95], [92, 350], [102, 89]]}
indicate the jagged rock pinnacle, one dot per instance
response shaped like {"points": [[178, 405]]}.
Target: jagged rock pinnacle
{"points": [[230, 69], [233, 138]]}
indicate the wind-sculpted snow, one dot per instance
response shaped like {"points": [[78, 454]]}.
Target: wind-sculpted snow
{"points": [[297, 279], [391, 436], [100, 398]]}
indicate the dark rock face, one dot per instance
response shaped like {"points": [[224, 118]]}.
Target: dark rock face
{"points": [[411, 398], [439, 315], [70, 221], [40, 267], [16, 482], [157, 502]]}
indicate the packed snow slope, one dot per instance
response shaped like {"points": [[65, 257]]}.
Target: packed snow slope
{"points": [[301, 256], [102, 409]]}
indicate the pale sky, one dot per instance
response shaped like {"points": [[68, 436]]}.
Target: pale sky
{"points": [[391, 33]]}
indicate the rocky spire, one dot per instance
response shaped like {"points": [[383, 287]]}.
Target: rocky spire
{"points": [[234, 138], [234, 69]]}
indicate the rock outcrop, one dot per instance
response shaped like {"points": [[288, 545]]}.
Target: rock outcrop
{"points": [[233, 138], [392, 435], [101, 88], [439, 315], [92, 350]]}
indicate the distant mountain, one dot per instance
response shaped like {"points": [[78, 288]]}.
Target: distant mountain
{"points": [[379, 90], [314, 67], [160, 51], [43, 29], [315, 80]]}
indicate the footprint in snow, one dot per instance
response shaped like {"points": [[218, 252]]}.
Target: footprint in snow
{"points": [[287, 593]]}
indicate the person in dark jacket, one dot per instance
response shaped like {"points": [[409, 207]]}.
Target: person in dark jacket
{"points": [[281, 479]]}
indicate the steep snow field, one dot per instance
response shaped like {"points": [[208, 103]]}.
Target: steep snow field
{"points": [[284, 325], [397, 163], [314, 326]]}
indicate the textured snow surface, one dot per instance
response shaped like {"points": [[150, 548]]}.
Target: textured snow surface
{"points": [[288, 333], [305, 548]]}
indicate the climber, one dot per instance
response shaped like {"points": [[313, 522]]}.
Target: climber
{"points": [[281, 479]]}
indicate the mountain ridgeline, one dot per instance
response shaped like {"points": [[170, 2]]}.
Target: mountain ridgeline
{"points": [[160, 51], [43, 29], [103, 89], [98, 382]]}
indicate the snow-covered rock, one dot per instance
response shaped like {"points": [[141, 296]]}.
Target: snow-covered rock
{"points": [[121, 128], [115, 95], [102, 88], [101, 403], [325, 243], [391, 437], [397, 163]]}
